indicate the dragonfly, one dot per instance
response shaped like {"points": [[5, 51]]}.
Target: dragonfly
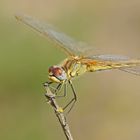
{"points": [[78, 61]]}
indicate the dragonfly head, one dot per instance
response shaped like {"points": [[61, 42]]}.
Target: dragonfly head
{"points": [[57, 74]]}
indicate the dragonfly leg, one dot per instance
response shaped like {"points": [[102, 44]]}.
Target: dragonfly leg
{"points": [[55, 89], [58, 89], [47, 84], [73, 100], [64, 93]]}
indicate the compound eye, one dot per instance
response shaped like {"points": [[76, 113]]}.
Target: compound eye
{"points": [[55, 71], [57, 74]]}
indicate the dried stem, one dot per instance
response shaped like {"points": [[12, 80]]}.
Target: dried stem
{"points": [[58, 112]]}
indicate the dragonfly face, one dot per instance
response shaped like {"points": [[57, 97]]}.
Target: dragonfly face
{"points": [[57, 74]]}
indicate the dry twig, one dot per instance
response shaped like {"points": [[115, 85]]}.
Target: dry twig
{"points": [[58, 112]]}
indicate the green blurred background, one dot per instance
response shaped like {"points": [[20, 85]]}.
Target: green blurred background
{"points": [[108, 102]]}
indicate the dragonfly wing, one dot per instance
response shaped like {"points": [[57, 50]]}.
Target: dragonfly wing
{"points": [[134, 70], [110, 57], [68, 44], [116, 58]]}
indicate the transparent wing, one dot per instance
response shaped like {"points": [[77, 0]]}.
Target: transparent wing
{"points": [[69, 45], [109, 57], [115, 58], [134, 70]]}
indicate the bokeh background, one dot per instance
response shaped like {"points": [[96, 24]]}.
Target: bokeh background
{"points": [[108, 106]]}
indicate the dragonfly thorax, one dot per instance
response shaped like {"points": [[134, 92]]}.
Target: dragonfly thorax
{"points": [[57, 74]]}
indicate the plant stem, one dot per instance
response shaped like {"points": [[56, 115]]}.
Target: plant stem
{"points": [[58, 112]]}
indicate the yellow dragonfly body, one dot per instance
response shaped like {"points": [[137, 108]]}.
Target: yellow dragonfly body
{"points": [[77, 62], [76, 66]]}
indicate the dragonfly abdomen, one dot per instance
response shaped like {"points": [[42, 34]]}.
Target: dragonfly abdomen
{"points": [[105, 65]]}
